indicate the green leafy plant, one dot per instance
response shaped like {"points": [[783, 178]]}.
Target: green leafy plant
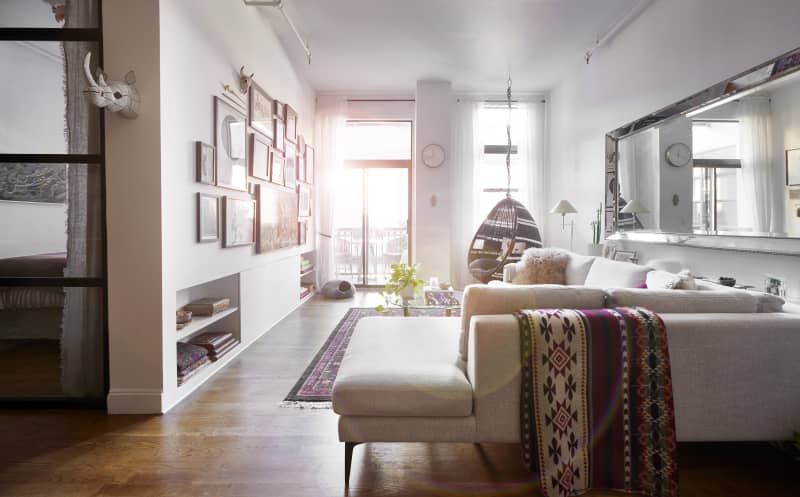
{"points": [[402, 285]]}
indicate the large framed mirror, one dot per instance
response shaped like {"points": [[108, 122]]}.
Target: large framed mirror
{"points": [[719, 169]]}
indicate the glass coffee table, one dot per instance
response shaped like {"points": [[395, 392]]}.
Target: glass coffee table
{"points": [[448, 305]]}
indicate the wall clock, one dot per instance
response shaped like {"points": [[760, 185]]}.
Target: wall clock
{"points": [[678, 154], [433, 155]]}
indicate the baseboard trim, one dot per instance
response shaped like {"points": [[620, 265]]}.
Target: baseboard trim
{"points": [[135, 401]]}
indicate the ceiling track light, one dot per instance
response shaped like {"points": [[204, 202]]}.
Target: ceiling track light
{"points": [[629, 16], [278, 4]]}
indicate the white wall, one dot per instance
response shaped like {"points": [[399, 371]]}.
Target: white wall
{"points": [[31, 125], [676, 48], [199, 53], [134, 215], [431, 244]]}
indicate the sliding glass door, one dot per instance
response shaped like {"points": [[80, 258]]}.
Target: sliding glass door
{"points": [[372, 209], [52, 207]]}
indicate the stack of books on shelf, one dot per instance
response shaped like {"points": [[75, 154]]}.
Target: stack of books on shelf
{"points": [[305, 265], [216, 343], [306, 289], [208, 306], [191, 358]]}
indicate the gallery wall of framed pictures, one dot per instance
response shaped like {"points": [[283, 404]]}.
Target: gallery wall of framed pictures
{"points": [[258, 155]]}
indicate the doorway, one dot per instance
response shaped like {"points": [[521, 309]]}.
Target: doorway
{"points": [[373, 201]]}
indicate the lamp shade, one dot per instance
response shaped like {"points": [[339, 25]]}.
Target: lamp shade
{"points": [[563, 207], [634, 207]]}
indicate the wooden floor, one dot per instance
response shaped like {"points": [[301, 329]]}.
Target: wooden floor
{"points": [[231, 438], [30, 368]]}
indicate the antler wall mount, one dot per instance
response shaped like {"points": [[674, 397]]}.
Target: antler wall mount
{"points": [[114, 96]]}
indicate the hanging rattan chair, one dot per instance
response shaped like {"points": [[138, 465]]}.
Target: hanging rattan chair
{"points": [[501, 238], [507, 232]]}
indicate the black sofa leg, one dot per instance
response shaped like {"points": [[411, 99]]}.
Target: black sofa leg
{"points": [[348, 460]]}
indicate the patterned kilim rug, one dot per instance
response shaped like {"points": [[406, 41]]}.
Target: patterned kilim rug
{"points": [[314, 387]]}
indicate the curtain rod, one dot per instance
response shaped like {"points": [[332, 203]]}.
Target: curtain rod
{"points": [[381, 100], [498, 101]]}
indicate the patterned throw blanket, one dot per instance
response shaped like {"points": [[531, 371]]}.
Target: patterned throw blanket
{"points": [[596, 403]]}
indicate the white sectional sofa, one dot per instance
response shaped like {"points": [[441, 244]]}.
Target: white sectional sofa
{"points": [[735, 371]]}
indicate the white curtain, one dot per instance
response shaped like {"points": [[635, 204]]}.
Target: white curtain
{"points": [[82, 328], [329, 133], [534, 149], [465, 151], [758, 195]]}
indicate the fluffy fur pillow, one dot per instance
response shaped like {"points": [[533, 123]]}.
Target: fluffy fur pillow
{"points": [[542, 266]]}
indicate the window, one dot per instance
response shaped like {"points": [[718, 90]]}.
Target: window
{"points": [[716, 175], [491, 175]]}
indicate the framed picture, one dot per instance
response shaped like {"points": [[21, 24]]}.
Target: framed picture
{"points": [[261, 108], [278, 166], [304, 200], [206, 172], [793, 167], [290, 178], [279, 141], [625, 256], [277, 218], [280, 111], [301, 166], [230, 140], [39, 183], [302, 231], [310, 165], [240, 215], [301, 145], [291, 124], [259, 156], [207, 217]]}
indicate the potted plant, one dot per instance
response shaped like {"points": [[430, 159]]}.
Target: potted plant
{"points": [[401, 287]]}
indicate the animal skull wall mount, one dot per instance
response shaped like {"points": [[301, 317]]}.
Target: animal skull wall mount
{"points": [[115, 96], [245, 81]]}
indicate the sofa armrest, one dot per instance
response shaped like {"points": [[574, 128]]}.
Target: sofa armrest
{"points": [[493, 369]]}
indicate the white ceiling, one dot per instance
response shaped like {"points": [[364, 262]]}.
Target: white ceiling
{"points": [[387, 45]]}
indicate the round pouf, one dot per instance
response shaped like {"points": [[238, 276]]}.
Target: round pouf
{"points": [[338, 289]]}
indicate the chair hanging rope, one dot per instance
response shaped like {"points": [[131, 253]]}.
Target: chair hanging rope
{"points": [[507, 231]]}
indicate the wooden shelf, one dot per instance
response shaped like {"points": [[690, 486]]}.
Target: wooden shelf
{"points": [[200, 322], [306, 273], [208, 371]]}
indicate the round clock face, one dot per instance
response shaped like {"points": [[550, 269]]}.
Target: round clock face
{"points": [[679, 154], [433, 155]]}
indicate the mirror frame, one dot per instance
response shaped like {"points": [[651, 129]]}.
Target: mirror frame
{"points": [[766, 72]]}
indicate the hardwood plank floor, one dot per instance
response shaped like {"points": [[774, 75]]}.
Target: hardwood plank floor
{"points": [[231, 439]]}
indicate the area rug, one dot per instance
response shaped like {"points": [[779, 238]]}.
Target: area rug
{"points": [[314, 388]]}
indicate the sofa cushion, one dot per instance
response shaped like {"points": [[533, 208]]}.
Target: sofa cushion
{"points": [[662, 280], [578, 267], [606, 273], [683, 301], [488, 300], [403, 367], [542, 266], [765, 302]]}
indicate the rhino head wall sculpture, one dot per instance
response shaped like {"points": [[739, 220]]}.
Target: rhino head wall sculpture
{"points": [[115, 96]]}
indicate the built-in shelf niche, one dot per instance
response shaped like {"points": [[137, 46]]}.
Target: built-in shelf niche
{"points": [[228, 320]]}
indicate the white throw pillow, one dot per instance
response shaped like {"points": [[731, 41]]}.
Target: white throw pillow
{"points": [[606, 273], [662, 280], [578, 267]]}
